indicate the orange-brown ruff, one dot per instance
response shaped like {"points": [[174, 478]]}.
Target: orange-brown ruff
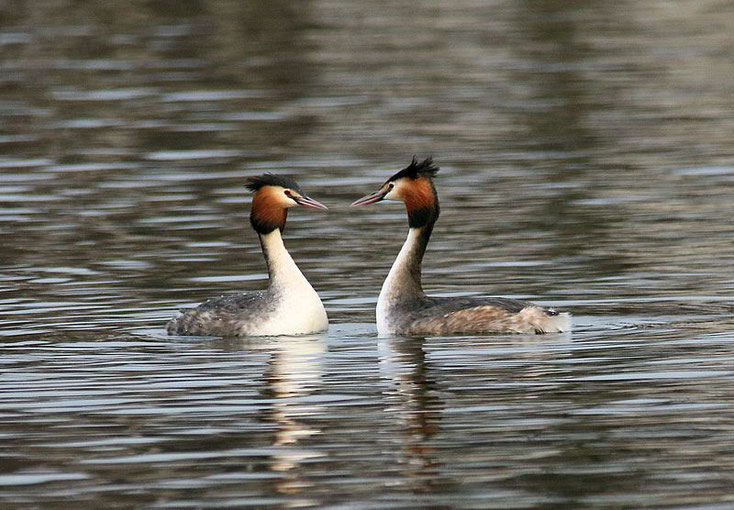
{"points": [[404, 309], [266, 208], [419, 195]]}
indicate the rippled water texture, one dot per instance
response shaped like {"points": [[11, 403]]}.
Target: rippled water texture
{"points": [[587, 153]]}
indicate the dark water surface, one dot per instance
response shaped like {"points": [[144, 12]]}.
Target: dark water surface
{"points": [[587, 153]]}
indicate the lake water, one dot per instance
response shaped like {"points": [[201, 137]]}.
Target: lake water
{"points": [[587, 154]]}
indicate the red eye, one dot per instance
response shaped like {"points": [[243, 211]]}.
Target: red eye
{"points": [[390, 187], [287, 193]]}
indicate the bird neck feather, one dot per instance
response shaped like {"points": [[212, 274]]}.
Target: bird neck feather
{"points": [[282, 269], [403, 282]]}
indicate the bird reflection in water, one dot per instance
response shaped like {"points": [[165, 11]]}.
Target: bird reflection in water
{"points": [[416, 407], [293, 372]]}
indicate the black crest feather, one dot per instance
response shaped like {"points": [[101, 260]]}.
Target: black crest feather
{"points": [[426, 168], [268, 179]]}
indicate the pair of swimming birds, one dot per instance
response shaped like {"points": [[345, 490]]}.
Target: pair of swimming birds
{"points": [[290, 305]]}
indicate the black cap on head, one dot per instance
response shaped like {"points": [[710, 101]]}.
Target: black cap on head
{"points": [[426, 168], [268, 179]]}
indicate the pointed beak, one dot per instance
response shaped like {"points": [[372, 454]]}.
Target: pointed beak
{"points": [[370, 199], [309, 202]]}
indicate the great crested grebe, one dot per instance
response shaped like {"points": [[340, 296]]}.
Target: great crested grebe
{"points": [[404, 309], [289, 306]]}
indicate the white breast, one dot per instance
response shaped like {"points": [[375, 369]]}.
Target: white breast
{"points": [[297, 307], [391, 287], [298, 312]]}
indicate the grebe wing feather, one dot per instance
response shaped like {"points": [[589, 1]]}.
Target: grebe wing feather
{"points": [[219, 316], [448, 316], [437, 305], [233, 303]]}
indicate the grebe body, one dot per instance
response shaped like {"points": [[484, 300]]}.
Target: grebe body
{"points": [[403, 308], [290, 305]]}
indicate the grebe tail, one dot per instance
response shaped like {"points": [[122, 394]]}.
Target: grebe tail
{"points": [[290, 305], [404, 309]]}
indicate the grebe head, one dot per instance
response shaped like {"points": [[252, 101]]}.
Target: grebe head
{"points": [[274, 195], [414, 187]]}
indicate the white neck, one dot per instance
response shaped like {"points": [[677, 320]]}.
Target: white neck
{"points": [[298, 307], [282, 269], [403, 282]]}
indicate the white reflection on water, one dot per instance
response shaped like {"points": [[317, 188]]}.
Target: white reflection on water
{"points": [[296, 374]]}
